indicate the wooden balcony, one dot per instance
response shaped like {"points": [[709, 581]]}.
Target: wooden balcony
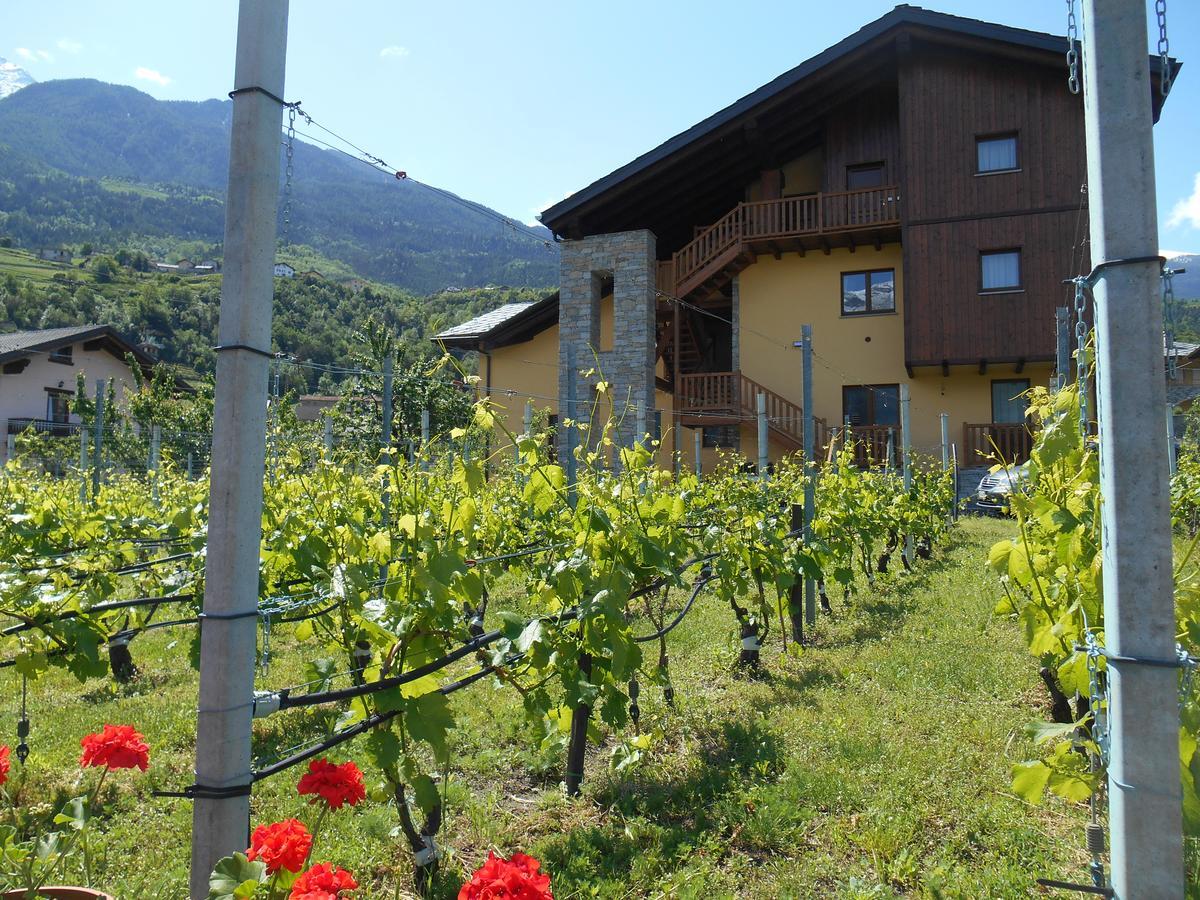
{"points": [[983, 442], [813, 221]]}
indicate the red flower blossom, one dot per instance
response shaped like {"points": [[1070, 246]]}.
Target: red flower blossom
{"points": [[322, 882], [334, 784], [283, 845], [4, 764], [507, 879], [116, 747]]}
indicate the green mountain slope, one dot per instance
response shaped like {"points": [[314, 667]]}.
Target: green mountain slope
{"points": [[81, 160]]}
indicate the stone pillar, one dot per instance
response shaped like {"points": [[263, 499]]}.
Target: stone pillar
{"points": [[628, 258]]}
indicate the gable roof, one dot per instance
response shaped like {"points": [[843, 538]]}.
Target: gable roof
{"points": [[879, 32], [507, 324], [19, 344]]}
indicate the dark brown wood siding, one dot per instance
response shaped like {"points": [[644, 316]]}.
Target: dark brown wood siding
{"points": [[947, 100], [863, 130]]}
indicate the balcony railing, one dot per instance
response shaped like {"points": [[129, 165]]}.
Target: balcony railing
{"points": [[765, 220], [1010, 441], [713, 393], [43, 426]]}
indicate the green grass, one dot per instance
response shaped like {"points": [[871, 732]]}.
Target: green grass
{"points": [[117, 186], [874, 765], [24, 264]]}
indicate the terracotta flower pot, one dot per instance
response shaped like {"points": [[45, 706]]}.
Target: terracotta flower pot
{"points": [[59, 893]]}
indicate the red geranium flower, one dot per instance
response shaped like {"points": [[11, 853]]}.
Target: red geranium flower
{"points": [[4, 764], [334, 784], [116, 747], [507, 879], [283, 845], [322, 882]]}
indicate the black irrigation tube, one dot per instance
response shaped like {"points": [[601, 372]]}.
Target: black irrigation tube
{"points": [[663, 632], [366, 724], [98, 608], [287, 701]]}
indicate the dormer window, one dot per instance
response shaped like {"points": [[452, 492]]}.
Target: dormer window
{"points": [[62, 354]]}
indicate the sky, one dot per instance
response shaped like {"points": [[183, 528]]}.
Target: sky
{"points": [[517, 105]]}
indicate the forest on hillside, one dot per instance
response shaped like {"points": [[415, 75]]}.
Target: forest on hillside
{"points": [[316, 320]]}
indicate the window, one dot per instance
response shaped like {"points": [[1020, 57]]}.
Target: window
{"points": [[872, 404], [868, 292], [996, 153], [868, 175], [61, 355], [58, 407], [1000, 270], [1009, 401], [657, 435], [719, 436]]}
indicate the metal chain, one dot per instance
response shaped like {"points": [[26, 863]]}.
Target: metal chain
{"points": [[1096, 697], [1164, 47], [1169, 309], [287, 185], [1081, 363], [1072, 52]]}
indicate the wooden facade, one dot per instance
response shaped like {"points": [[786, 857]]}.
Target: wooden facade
{"points": [[948, 99]]}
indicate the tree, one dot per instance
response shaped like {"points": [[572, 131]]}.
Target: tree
{"points": [[105, 269]]}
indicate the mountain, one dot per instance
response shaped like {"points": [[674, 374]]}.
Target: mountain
{"points": [[1187, 285], [12, 78], [89, 161]]}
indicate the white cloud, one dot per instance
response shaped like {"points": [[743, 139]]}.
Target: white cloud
{"points": [[69, 45], [26, 53], [151, 75], [1171, 254], [393, 51], [1187, 210], [45, 56]]}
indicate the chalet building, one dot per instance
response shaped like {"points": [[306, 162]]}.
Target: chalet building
{"points": [[914, 193], [55, 254], [283, 270], [38, 372]]}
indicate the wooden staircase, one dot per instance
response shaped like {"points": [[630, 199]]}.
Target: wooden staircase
{"points": [[730, 398], [723, 249], [691, 357]]}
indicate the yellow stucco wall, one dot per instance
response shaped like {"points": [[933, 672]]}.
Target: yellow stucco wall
{"points": [[777, 297]]}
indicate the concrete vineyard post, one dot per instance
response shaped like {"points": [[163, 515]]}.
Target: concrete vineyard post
{"points": [[228, 638], [1145, 798]]}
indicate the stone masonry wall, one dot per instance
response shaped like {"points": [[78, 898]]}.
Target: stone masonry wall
{"points": [[628, 257]]}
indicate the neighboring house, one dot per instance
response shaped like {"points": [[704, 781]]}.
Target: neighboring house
{"points": [[166, 267], [312, 275], [311, 407], [184, 266], [38, 373], [209, 265], [55, 254], [283, 270], [913, 193], [356, 284]]}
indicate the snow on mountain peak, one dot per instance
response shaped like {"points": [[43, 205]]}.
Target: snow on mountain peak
{"points": [[12, 78]]}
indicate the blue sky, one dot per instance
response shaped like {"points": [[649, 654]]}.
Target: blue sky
{"points": [[517, 105]]}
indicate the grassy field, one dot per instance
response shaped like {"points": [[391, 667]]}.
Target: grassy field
{"points": [[874, 765], [24, 264]]}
